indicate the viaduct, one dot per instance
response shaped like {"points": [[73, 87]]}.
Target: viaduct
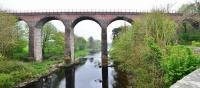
{"points": [[36, 20]]}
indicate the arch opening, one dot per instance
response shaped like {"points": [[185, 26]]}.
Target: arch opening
{"points": [[129, 20], [114, 29], [22, 45], [52, 39], [83, 18], [87, 37], [44, 20]]}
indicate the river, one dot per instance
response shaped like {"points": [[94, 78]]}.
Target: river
{"points": [[86, 75]]}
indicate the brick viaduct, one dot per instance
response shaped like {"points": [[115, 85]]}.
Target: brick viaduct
{"points": [[36, 20]]}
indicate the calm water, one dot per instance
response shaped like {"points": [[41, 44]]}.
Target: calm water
{"points": [[87, 75]]}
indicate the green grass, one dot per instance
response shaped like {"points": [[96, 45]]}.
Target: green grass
{"points": [[13, 72], [81, 53]]}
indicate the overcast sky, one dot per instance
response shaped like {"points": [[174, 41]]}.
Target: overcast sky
{"points": [[90, 28]]}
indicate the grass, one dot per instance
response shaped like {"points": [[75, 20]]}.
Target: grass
{"points": [[81, 53], [13, 72]]}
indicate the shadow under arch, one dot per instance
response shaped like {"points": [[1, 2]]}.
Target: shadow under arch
{"points": [[75, 22], [44, 20]]}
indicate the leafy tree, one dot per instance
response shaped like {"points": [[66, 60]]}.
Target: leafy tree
{"points": [[116, 31], [8, 33], [80, 43], [189, 29], [21, 49], [91, 43], [47, 32], [190, 8], [139, 50], [52, 41]]}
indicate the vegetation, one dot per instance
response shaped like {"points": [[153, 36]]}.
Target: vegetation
{"points": [[84, 47], [14, 51], [189, 29], [13, 72], [178, 62], [148, 50], [53, 41], [7, 28]]}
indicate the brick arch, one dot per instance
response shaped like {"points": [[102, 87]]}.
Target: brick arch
{"points": [[129, 20], [193, 22], [44, 20], [76, 21], [20, 19]]}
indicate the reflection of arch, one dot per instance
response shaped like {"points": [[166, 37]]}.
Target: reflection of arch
{"points": [[84, 18], [45, 20], [122, 18]]}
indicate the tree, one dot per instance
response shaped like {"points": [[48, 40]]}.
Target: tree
{"points": [[8, 33], [116, 31], [80, 43], [189, 29], [21, 49], [47, 32], [190, 8], [91, 44]]}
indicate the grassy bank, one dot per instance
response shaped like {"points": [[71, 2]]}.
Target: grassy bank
{"points": [[13, 72], [81, 53]]}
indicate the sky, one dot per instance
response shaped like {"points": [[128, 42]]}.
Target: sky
{"points": [[89, 28]]}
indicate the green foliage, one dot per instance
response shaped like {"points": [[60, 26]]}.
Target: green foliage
{"points": [[154, 53], [195, 44], [80, 43], [116, 31], [81, 53], [190, 28], [160, 27], [193, 7], [84, 47], [140, 49], [121, 48], [8, 34], [178, 62], [6, 81], [188, 33], [53, 41], [13, 72]]}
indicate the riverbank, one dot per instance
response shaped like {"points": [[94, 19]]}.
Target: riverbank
{"points": [[81, 53], [18, 73]]}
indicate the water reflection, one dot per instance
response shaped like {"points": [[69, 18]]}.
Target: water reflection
{"points": [[87, 75]]}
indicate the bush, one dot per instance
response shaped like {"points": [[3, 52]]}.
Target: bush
{"points": [[9, 66], [195, 44], [6, 81], [13, 72], [2, 58], [178, 62]]}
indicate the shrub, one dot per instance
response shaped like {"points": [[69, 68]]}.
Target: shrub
{"points": [[6, 81], [178, 62], [2, 58], [13, 72], [195, 43], [8, 66]]}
